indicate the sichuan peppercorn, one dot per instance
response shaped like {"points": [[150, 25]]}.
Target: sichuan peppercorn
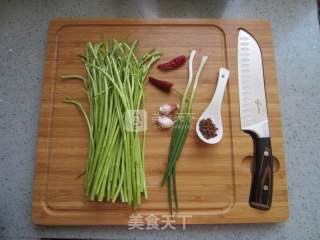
{"points": [[208, 128]]}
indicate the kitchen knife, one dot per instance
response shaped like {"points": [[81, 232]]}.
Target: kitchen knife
{"points": [[254, 119]]}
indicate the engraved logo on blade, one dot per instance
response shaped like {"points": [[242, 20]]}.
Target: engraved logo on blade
{"points": [[259, 105]]}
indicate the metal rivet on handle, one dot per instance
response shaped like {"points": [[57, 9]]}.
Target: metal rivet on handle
{"points": [[266, 153], [265, 187]]}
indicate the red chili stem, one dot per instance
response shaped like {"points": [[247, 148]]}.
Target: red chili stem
{"points": [[176, 92]]}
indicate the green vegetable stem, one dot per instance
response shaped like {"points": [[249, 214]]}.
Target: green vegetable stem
{"points": [[114, 84]]}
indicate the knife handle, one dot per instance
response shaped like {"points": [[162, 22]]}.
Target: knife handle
{"points": [[262, 175]]}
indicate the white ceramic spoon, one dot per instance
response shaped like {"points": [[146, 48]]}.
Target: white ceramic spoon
{"points": [[213, 111]]}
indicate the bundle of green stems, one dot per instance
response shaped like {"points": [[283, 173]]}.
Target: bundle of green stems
{"points": [[114, 84]]}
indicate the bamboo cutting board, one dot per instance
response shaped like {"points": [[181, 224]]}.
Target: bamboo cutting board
{"points": [[213, 181]]}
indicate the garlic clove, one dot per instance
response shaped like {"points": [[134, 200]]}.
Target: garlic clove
{"points": [[168, 108], [164, 122]]}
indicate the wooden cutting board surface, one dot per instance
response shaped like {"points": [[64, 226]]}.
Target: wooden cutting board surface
{"points": [[213, 181]]}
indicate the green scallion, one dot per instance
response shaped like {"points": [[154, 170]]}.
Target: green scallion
{"points": [[180, 132]]}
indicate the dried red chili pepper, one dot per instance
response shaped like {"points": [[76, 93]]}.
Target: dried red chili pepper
{"points": [[173, 64], [162, 85]]}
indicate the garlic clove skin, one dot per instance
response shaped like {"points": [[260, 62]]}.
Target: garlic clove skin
{"points": [[164, 122], [168, 108]]}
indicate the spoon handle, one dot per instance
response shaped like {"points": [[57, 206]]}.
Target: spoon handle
{"points": [[216, 101]]}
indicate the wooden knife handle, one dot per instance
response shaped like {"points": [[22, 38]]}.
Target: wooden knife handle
{"points": [[262, 175]]}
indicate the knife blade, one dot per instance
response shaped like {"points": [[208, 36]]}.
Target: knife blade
{"points": [[254, 119]]}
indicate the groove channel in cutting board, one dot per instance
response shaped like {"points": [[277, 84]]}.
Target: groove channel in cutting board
{"points": [[212, 183]]}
